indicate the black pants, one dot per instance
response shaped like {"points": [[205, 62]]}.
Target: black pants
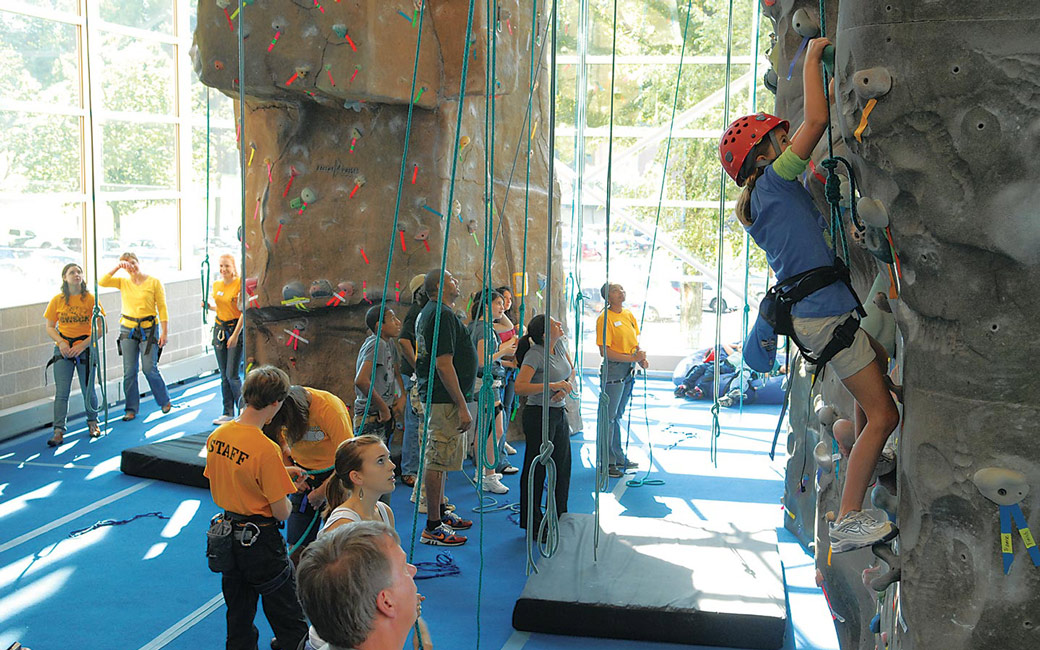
{"points": [[256, 574], [560, 436]]}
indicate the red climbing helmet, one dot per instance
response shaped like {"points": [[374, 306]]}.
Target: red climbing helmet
{"points": [[742, 136]]}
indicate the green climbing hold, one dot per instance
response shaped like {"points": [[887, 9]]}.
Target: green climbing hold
{"points": [[828, 59], [340, 30]]}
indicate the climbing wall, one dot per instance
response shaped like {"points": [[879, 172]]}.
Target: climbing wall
{"points": [[327, 86], [938, 109]]}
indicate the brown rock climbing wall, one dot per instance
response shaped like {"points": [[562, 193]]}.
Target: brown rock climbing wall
{"points": [[328, 86], [946, 103]]}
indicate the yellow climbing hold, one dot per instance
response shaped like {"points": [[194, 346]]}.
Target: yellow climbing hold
{"points": [[863, 120]]}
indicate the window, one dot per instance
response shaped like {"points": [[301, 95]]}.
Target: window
{"points": [[147, 163]]}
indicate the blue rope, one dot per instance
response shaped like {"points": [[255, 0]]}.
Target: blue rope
{"points": [[442, 567], [115, 522]]}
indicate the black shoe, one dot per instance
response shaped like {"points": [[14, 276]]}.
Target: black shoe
{"points": [[613, 471], [274, 644], [628, 464]]}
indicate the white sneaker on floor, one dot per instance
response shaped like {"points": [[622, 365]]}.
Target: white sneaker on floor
{"points": [[223, 418], [509, 448], [860, 529], [490, 483]]}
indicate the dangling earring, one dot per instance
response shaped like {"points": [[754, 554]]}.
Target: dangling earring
{"points": [[360, 493]]}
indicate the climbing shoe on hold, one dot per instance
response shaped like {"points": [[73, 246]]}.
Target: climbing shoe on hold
{"points": [[860, 529]]}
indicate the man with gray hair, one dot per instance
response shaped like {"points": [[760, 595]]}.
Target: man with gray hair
{"points": [[357, 588]]}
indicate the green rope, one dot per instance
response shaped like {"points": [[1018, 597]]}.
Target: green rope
{"points": [[745, 316], [653, 248], [444, 257], [716, 429], [242, 163], [604, 431], [98, 328], [205, 267]]}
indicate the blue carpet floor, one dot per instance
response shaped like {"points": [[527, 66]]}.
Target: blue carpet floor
{"points": [[145, 584]]}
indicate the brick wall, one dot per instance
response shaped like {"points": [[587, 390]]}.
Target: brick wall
{"points": [[25, 347]]}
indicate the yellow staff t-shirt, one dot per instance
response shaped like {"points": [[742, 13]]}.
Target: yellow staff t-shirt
{"points": [[139, 300], [245, 470], [622, 331], [73, 318], [328, 425], [226, 297]]}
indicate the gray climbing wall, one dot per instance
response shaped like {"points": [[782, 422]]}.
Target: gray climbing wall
{"points": [[328, 86], [945, 99]]}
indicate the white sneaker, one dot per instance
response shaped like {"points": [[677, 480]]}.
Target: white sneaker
{"points": [[509, 448], [859, 529], [490, 483], [223, 418]]}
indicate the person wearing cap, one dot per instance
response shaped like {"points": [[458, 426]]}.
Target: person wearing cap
{"points": [[410, 443]]}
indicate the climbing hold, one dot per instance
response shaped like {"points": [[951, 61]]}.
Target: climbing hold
{"points": [[223, 4], [863, 120], [872, 211], [292, 176], [308, 195], [359, 180], [293, 291], [882, 498], [806, 25], [218, 65], [463, 142], [424, 236], [875, 624], [877, 244], [355, 134], [278, 233], [844, 434], [352, 104], [872, 83], [320, 289], [1004, 487], [894, 574], [456, 209], [347, 288], [826, 415], [771, 80], [471, 226], [339, 29], [824, 458], [296, 203]]}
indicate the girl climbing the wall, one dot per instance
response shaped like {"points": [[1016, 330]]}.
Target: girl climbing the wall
{"points": [[780, 216]]}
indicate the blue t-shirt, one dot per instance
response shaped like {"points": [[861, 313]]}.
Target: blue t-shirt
{"points": [[789, 228]]}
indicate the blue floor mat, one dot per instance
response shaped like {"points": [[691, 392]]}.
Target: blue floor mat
{"points": [[145, 584]]}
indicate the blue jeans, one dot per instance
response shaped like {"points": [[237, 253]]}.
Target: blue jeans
{"points": [[618, 394], [410, 444], [131, 348], [63, 371], [228, 362]]}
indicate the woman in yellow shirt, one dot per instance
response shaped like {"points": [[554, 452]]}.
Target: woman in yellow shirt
{"points": [[68, 324], [227, 330], [144, 303], [309, 426]]}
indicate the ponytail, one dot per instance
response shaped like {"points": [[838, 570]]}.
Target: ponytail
{"points": [[535, 333], [751, 171], [348, 459]]}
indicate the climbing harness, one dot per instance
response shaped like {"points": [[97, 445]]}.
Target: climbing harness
{"points": [[83, 357], [143, 331], [222, 330], [781, 297]]}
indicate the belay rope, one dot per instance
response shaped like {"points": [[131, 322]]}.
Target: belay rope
{"points": [[205, 270]]}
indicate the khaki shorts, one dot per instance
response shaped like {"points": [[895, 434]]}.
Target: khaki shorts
{"points": [[445, 444], [816, 333]]}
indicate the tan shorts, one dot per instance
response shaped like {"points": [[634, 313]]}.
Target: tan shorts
{"points": [[816, 333], [445, 444]]}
